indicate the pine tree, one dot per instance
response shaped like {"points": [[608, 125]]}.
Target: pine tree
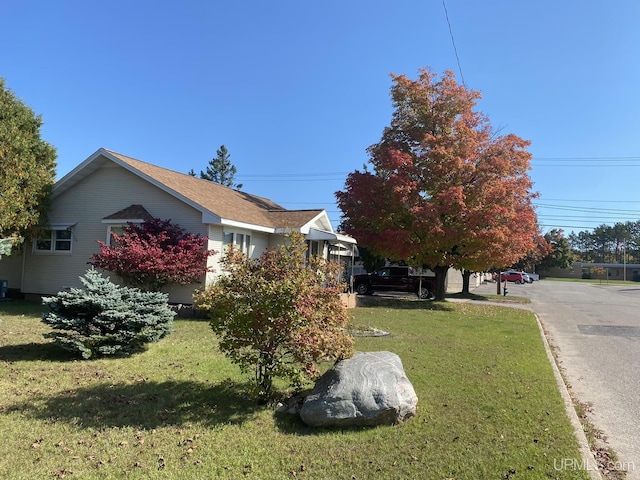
{"points": [[221, 170], [105, 318]]}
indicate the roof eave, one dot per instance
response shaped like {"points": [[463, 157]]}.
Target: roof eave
{"points": [[247, 226], [324, 221]]}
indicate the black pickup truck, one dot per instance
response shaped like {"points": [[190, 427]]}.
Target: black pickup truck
{"points": [[395, 278]]}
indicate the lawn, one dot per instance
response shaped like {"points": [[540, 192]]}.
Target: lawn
{"points": [[488, 406]]}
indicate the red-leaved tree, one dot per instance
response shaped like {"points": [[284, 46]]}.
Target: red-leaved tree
{"points": [[446, 190], [153, 254]]}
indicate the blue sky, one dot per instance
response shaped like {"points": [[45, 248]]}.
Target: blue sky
{"points": [[298, 90]]}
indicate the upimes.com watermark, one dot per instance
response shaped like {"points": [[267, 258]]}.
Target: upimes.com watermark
{"points": [[575, 464]]}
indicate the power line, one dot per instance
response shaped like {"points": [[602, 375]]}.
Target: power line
{"points": [[453, 42], [589, 160], [589, 165], [573, 162], [612, 211], [586, 158], [589, 200], [280, 175], [566, 227], [590, 219]]}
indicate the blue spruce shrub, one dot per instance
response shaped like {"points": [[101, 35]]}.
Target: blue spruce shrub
{"points": [[107, 319]]}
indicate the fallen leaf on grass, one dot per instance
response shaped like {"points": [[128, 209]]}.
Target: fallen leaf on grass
{"points": [[63, 473]]}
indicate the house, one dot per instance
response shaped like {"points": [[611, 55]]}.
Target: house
{"points": [[108, 190]]}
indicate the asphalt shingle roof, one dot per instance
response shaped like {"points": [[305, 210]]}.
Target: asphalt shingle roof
{"points": [[220, 200], [132, 211]]}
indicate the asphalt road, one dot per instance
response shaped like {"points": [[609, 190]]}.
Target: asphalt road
{"points": [[595, 330]]}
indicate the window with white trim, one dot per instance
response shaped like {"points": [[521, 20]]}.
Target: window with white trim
{"points": [[242, 241], [117, 229], [315, 248], [54, 241]]}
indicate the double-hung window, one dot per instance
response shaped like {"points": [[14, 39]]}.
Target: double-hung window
{"points": [[55, 240]]}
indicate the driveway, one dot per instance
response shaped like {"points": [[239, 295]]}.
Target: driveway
{"points": [[595, 330]]}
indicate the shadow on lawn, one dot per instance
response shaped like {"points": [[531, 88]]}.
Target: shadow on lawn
{"points": [[468, 296], [22, 307], [144, 405], [31, 352]]}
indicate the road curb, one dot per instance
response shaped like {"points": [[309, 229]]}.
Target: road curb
{"points": [[589, 461]]}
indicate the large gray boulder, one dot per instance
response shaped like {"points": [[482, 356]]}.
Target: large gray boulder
{"points": [[371, 388]]}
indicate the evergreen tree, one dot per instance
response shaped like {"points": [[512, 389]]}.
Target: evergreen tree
{"points": [[28, 169], [560, 255], [106, 319], [221, 170]]}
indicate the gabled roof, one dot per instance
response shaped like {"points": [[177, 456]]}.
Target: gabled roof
{"points": [[132, 212], [218, 204]]}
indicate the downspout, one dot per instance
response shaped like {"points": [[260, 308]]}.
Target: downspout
{"points": [[353, 251], [24, 262]]}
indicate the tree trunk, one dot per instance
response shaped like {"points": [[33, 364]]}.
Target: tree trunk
{"points": [[441, 281], [466, 278]]}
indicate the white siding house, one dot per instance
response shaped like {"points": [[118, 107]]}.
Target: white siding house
{"points": [[108, 190]]}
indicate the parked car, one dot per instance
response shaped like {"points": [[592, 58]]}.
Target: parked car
{"points": [[528, 277], [512, 276], [394, 278]]}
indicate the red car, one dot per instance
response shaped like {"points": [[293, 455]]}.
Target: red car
{"points": [[512, 277]]}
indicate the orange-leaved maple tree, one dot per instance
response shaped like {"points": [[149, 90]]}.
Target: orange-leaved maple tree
{"points": [[445, 189]]}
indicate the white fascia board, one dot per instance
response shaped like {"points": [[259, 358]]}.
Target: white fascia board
{"points": [[78, 173], [322, 218], [316, 234], [123, 220], [285, 231], [247, 226], [346, 238], [153, 181]]}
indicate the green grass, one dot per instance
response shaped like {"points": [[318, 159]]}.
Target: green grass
{"points": [[494, 298], [488, 406]]}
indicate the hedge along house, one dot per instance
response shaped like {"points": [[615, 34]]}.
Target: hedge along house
{"points": [[108, 190]]}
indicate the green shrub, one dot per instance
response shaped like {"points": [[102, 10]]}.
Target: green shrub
{"points": [[278, 315], [106, 319]]}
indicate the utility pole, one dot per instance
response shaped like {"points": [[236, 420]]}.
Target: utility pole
{"points": [[624, 262]]}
